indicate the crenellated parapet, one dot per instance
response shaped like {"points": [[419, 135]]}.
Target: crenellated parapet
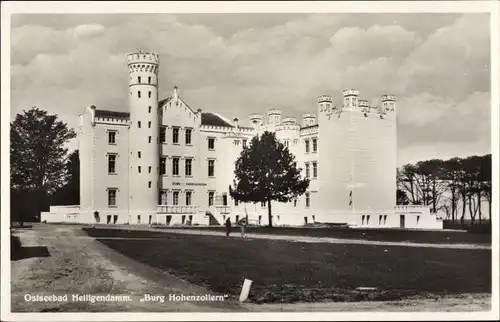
{"points": [[350, 92], [288, 121], [325, 99], [143, 62], [274, 116]]}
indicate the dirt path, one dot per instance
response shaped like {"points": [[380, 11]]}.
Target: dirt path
{"points": [[308, 239], [80, 265]]}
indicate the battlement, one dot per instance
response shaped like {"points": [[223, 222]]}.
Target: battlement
{"points": [[363, 103], [289, 121], [387, 97], [325, 99], [350, 92], [142, 57], [256, 117], [273, 111], [309, 115]]}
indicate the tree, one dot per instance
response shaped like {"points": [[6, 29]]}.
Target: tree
{"points": [[37, 158], [401, 198], [69, 193], [266, 171]]}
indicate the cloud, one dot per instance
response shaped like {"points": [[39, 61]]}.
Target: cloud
{"points": [[234, 65], [83, 31]]}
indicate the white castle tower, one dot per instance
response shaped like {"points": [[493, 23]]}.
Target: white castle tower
{"points": [[350, 98], [388, 103], [143, 135]]}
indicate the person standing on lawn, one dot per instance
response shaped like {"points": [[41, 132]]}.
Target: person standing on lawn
{"points": [[243, 225], [228, 226]]}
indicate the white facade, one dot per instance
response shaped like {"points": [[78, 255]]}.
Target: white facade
{"points": [[167, 163]]}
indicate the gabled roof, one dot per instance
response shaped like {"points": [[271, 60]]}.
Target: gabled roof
{"points": [[109, 114], [214, 120]]}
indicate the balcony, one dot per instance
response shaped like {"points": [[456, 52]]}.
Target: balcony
{"points": [[223, 209], [166, 209]]}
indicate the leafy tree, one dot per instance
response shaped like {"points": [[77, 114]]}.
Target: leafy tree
{"points": [[401, 197], [37, 158], [69, 194], [266, 171]]}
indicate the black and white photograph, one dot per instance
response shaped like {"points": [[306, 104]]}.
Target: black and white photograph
{"points": [[242, 161]]}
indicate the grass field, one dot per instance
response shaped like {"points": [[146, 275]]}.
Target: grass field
{"points": [[293, 272], [391, 235]]}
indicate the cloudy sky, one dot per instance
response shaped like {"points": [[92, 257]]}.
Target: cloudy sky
{"points": [[438, 65]]}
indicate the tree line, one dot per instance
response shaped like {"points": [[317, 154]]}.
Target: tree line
{"points": [[456, 186]]}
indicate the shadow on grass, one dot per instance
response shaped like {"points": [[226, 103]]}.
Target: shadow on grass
{"points": [[30, 252]]}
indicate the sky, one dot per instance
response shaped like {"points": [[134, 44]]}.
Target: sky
{"points": [[438, 66]]}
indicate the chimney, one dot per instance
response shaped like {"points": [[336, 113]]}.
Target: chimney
{"points": [[176, 93]]}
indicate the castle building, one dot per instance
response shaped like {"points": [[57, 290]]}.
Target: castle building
{"points": [[166, 163]]}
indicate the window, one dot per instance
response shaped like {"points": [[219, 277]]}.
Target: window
{"points": [[295, 202], [139, 169], [149, 94], [139, 124], [286, 142], [236, 203], [111, 163], [149, 109], [188, 197], [175, 166], [307, 146], [224, 199], [149, 80], [262, 204], [368, 219], [139, 79], [211, 195], [175, 198], [149, 184], [188, 167], [139, 94], [163, 134], [211, 168], [244, 143], [175, 135], [315, 145], [188, 136], [111, 197], [149, 169], [315, 169], [111, 137], [163, 197], [385, 219], [149, 124], [211, 143], [149, 139], [307, 170], [379, 219], [139, 154], [163, 166], [308, 200]]}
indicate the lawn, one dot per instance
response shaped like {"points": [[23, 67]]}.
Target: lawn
{"points": [[390, 235], [290, 272]]}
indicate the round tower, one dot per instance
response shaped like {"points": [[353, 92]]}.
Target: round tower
{"points": [[388, 103], [308, 119], [363, 105], [273, 116], [325, 108], [143, 138], [350, 98], [256, 120]]}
